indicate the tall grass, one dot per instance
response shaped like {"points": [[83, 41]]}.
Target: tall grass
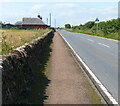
{"points": [[13, 38], [98, 33]]}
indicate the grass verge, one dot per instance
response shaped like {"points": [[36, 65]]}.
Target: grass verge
{"points": [[93, 93], [114, 36]]}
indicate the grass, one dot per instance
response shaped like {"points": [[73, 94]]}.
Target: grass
{"points": [[13, 38], [93, 95], [114, 36]]}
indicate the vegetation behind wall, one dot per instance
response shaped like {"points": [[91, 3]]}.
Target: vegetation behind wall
{"points": [[17, 74]]}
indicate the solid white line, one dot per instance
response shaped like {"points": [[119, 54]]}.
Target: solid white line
{"points": [[104, 45], [91, 73], [90, 40], [1, 66]]}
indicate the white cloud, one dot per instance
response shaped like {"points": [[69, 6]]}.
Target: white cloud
{"points": [[65, 5], [73, 13], [82, 15], [59, 1], [37, 7], [76, 14], [54, 7]]}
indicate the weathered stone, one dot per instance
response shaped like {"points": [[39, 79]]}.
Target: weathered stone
{"points": [[16, 72]]}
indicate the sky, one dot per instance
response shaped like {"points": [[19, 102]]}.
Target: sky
{"points": [[74, 12]]}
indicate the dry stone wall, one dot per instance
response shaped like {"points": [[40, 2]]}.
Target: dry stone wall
{"points": [[16, 69]]}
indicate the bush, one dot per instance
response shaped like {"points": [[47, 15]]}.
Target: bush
{"points": [[67, 26], [52, 28], [107, 29]]}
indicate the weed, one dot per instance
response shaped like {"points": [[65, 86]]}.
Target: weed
{"points": [[5, 45], [13, 38]]}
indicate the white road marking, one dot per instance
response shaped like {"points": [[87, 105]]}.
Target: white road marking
{"points": [[102, 87], [90, 40], [1, 66], [104, 45]]}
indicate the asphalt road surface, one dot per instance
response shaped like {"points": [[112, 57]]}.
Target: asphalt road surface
{"points": [[100, 55]]}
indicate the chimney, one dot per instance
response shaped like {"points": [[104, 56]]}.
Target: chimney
{"points": [[39, 17]]}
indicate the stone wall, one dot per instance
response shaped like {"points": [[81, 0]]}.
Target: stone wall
{"points": [[16, 69]]}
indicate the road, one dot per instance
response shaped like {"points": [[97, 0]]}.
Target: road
{"points": [[100, 55]]}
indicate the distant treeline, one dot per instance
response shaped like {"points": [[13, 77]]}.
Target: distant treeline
{"points": [[107, 29], [7, 26], [11, 26]]}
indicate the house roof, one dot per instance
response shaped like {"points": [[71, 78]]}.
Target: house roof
{"points": [[30, 21], [18, 23]]}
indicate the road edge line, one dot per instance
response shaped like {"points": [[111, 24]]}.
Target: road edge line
{"points": [[103, 91]]}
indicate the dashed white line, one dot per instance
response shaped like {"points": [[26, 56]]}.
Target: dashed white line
{"points": [[102, 87], [90, 40], [104, 45]]}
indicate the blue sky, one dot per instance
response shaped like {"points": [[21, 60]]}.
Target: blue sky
{"points": [[71, 12]]}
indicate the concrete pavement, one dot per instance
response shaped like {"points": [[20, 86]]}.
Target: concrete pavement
{"points": [[68, 83]]}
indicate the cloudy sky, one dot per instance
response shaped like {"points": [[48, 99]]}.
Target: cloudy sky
{"points": [[74, 12]]}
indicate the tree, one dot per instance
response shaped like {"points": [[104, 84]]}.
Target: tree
{"points": [[89, 25], [67, 26], [76, 27]]}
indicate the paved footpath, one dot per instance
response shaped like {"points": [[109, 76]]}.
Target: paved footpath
{"points": [[68, 83]]}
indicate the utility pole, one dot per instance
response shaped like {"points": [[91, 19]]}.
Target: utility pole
{"points": [[50, 19], [97, 26], [47, 21], [55, 23]]}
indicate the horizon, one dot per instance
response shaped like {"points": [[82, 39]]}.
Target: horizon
{"points": [[63, 12]]}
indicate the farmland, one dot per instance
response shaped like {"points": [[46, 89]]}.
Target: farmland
{"points": [[13, 38]]}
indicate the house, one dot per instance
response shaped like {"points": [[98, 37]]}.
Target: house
{"points": [[31, 23], [7, 26]]}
